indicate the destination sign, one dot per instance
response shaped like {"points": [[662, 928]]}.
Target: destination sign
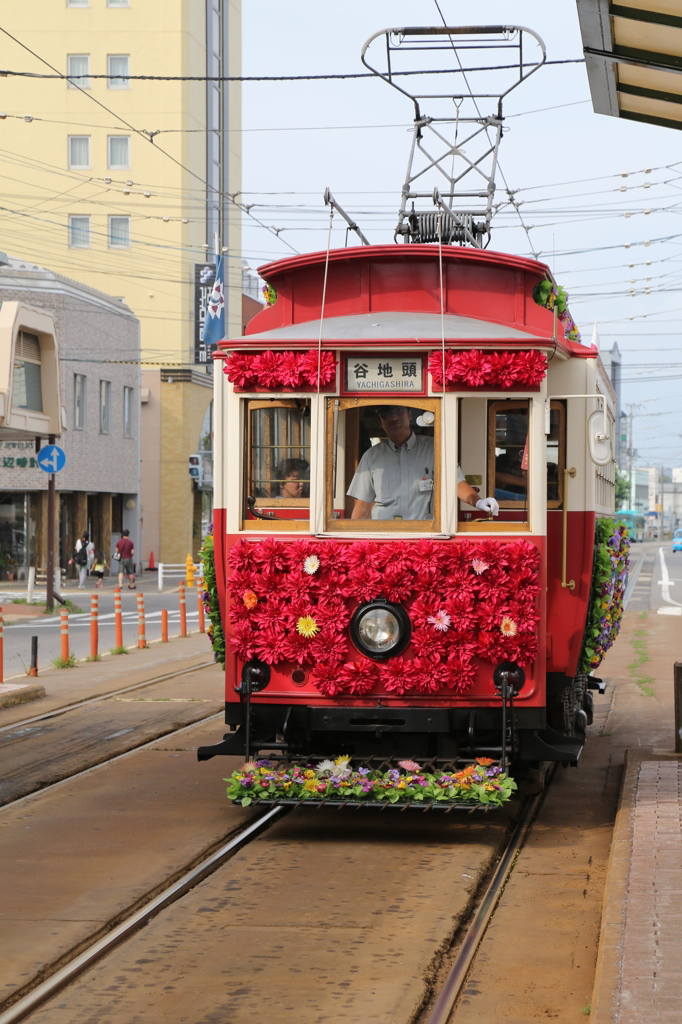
{"points": [[384, 373]]}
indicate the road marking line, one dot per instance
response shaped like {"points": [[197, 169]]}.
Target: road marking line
{"points": [[666, 582]]}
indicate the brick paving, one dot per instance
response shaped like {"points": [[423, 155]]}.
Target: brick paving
{"points": [[651, 977]]}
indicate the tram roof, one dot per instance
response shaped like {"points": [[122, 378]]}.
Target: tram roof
{"points": [[389, 327], [390, 295]]}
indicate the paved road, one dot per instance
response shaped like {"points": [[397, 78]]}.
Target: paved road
{"points": [[48, 630], [658, 572]]}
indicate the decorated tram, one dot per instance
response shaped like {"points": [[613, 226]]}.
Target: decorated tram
{"points": [[413, 551]]}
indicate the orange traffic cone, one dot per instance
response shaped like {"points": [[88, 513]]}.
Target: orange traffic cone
{"points": [[151, 561]]}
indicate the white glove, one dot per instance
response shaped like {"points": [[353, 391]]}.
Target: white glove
{"points": [[488, 505]]}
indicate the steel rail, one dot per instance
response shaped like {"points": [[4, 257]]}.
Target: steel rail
{"points": [[46, 989], [440, 1014], [109, 760], [103, 696]]}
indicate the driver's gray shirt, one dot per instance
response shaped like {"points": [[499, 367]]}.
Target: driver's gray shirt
{"points": [[390, 476]]}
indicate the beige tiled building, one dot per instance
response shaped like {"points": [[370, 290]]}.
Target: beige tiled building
{"points": [[121, 183]]}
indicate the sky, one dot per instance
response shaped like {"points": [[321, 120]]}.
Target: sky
{"points": [[599, 198]]}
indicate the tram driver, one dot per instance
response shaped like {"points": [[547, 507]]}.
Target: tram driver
{"points": [[395, 478]]}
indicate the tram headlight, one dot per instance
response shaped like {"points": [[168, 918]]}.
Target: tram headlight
{"points": [[380, 629]]}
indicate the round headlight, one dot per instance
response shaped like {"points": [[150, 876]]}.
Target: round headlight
{"points": [[380, 629]]}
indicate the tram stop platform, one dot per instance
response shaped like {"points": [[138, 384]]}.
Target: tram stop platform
{"points": [[638, 975]]}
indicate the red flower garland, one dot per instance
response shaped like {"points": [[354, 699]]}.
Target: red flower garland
{"points": [[474, 368], [460, 593], [276, 371]]}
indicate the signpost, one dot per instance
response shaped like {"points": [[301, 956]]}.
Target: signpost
{"points": [[51, 459]]}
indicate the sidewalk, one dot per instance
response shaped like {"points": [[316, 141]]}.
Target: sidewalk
{"points": [[637, 977], [58, 687]]}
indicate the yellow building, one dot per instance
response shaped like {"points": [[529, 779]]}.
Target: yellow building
{"points": [[122, 183]]}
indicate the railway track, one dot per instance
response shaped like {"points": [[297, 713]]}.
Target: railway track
{"points": [[46, 773], [442, 1003], [89, 953], [63, 972]]}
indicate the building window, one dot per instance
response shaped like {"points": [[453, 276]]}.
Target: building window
{"points": [[27, 386], [104, 406], [77, 3], [79, 232], [119, 232], [128, 412], [78, 68], [118, 152], [79, 401], [118, 3], [118, 64], [79, 152]]}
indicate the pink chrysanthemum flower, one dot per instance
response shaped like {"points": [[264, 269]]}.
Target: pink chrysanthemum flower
{"points": [[508, 626], [479, 566], [409, 766], [440, 621]]}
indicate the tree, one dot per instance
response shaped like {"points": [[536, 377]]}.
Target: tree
{"points": [[622, 489]]}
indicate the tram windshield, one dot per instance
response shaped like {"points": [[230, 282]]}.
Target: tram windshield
{"points": [[384, 463], [278, 465]]}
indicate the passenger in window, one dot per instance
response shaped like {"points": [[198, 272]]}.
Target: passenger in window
{"points": [[292, 479], [395, 478]]}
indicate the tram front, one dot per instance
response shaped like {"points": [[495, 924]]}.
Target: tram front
{"points": [[383, 475]]}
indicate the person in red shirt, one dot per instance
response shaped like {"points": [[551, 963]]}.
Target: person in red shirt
{"points": [[126, 566]]}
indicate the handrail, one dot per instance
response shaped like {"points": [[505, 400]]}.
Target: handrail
{"points": [[564, 540]]}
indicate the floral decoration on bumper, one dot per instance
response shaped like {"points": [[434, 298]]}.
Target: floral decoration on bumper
{"points": [[274, 371], [474, 368], [466, 600], [482, 782], [609, 579]]}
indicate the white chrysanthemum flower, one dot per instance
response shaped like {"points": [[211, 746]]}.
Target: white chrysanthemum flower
{"points": [[325, 766], [311, 565], [508, 626]]}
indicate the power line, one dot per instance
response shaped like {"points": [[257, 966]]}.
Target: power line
{"points": [[271, 78]]}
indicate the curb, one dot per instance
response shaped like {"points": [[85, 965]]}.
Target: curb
{"points": [[18, 694], [606, 991]]}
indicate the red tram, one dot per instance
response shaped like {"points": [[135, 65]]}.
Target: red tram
{"points": [[404, 621]]}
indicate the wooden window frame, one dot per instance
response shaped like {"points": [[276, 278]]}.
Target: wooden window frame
{"points": [[381, 525], [498, 404], [253, 405]]}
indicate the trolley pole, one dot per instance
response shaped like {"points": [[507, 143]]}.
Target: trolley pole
{"points": [[64, 616], [141, 629], [94, 627], [183, 608], [118, 616]]}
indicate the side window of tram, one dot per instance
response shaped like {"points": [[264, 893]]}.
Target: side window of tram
{"points": [[509, 458], [278, 465], [384, 467]]}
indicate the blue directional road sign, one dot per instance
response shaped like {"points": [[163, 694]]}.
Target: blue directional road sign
{"points": [[51, 458]]}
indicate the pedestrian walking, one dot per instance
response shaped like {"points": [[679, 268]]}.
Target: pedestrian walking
{"points": [[98, 568], [81, 558], [123, 554]]}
